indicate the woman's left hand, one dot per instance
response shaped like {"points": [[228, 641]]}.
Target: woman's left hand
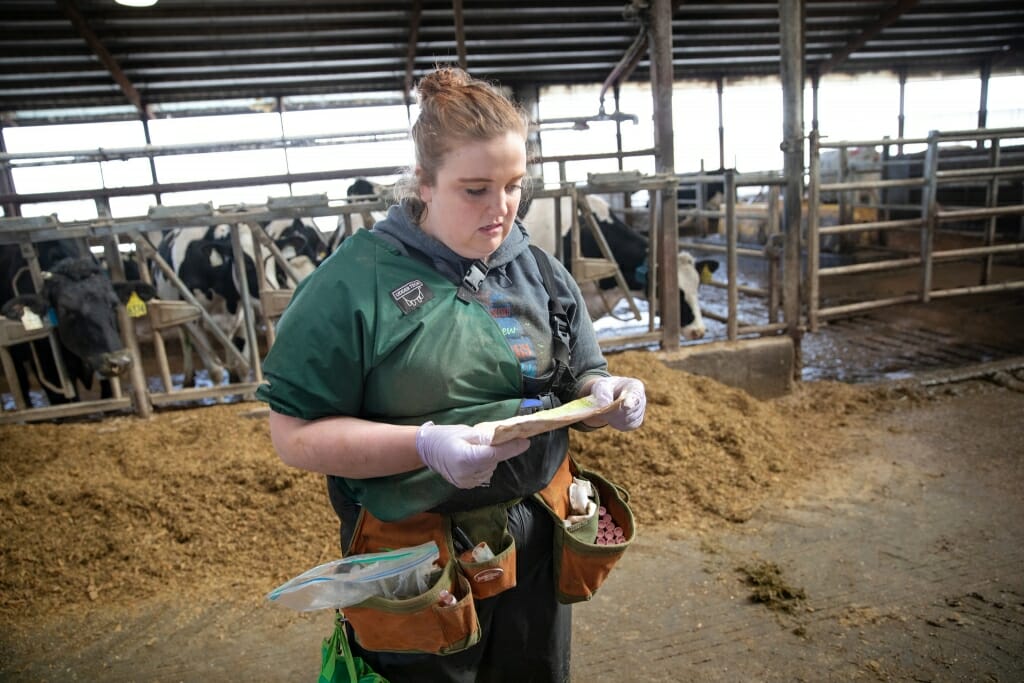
{"points": [[630, 413]]}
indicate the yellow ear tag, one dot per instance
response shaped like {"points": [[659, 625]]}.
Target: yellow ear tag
{"points": [[31, 321], [136, 306], [705, 275]]}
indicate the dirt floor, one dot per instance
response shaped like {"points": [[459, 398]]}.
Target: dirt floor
{"points": [[843, 532]]}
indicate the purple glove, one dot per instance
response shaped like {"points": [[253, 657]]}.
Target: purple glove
{"points": [[463, 455], [630, 414]]}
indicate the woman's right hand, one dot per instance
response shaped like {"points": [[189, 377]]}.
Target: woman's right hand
{"points": [[463, 455]]}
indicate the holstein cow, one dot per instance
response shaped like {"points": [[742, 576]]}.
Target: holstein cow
{"points": [[366, 191], [630, 251], [302, 245], [79, 295], [203, 259]]}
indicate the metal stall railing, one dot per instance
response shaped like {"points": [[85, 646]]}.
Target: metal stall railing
{"points": [[590, 270], [186, 314], [731, 211], [933, 219]]}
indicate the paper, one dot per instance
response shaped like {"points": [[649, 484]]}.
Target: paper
{"points": [[525, 426]]}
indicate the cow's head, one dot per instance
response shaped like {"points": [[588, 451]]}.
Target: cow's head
{"points": [[691, 274], [367, 190], [302, 246], [361, 187], [85, 303]]}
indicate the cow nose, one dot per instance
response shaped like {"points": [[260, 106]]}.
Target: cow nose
{"points": [[115, 363], [692, 333]]}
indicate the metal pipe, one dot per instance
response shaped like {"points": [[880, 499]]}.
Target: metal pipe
{"points": [[1007, 210], [721, 123], [871, 184], [967, 252], [813, 232], [871, 267], [791, 26], [904, 224], [991, 201], [929, 211], [860, 307], [150, 151], [732, 258], [1003, 171], [134, 190]]}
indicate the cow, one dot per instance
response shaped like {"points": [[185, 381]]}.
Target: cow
{"points": [[363, 190], [203, 259], [302, 245], [82, 302], [630, 250]]}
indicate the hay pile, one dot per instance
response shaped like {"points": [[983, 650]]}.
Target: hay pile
{"points": [[196, 501]]}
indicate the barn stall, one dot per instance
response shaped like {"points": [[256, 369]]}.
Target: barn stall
{"points": [[733, 432]]}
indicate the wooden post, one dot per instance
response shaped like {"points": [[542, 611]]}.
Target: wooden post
{"points": [[248, 315], [137, 375], [662, 78]]}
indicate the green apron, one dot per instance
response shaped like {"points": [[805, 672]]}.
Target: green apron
{"points": [[420, 352]]}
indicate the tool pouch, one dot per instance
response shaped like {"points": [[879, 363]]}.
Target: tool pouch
{"points": [[581, 563], [421, 623], [490, 525], [424, 623]]}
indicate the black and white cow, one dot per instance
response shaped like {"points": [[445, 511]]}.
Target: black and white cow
{"points": [[630, 250], [79, 296], [203, 259], [363, 190], [302, 245]]}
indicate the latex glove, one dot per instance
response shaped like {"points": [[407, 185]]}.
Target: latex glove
{"points": [[630, 414], [463, 455]]}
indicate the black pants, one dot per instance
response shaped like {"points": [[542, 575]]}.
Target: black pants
{"points": [[526, 634]]}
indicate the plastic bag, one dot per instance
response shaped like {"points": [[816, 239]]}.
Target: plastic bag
{"points": [[396, 574]]}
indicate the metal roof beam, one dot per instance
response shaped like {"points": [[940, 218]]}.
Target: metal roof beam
{"points": [[410, 53], [887, 18], [460, 32], [78, 21]]}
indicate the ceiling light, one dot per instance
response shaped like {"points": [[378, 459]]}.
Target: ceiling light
{"points": [[136, 3]]}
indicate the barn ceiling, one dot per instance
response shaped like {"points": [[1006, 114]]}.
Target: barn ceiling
{"points": [[103, 60]]}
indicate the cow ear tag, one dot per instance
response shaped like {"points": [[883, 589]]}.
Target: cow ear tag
{"points": [[705, 276], [135, 306], [30, 320]]}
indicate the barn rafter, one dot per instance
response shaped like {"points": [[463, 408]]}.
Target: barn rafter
{"points": [[104, 60]]}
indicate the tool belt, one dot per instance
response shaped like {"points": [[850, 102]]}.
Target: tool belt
{"points": [[430, 623]]}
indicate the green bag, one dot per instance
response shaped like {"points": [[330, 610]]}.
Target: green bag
{"points": [[349, 669]]}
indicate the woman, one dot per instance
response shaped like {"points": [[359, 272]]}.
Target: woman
{"points": [[435, 320]]}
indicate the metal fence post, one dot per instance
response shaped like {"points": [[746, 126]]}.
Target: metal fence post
{"points": [[929, 209], [813, 240], [732, 257]]}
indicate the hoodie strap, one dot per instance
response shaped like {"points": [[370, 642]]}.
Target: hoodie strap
{"points": [[559, 321]]}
